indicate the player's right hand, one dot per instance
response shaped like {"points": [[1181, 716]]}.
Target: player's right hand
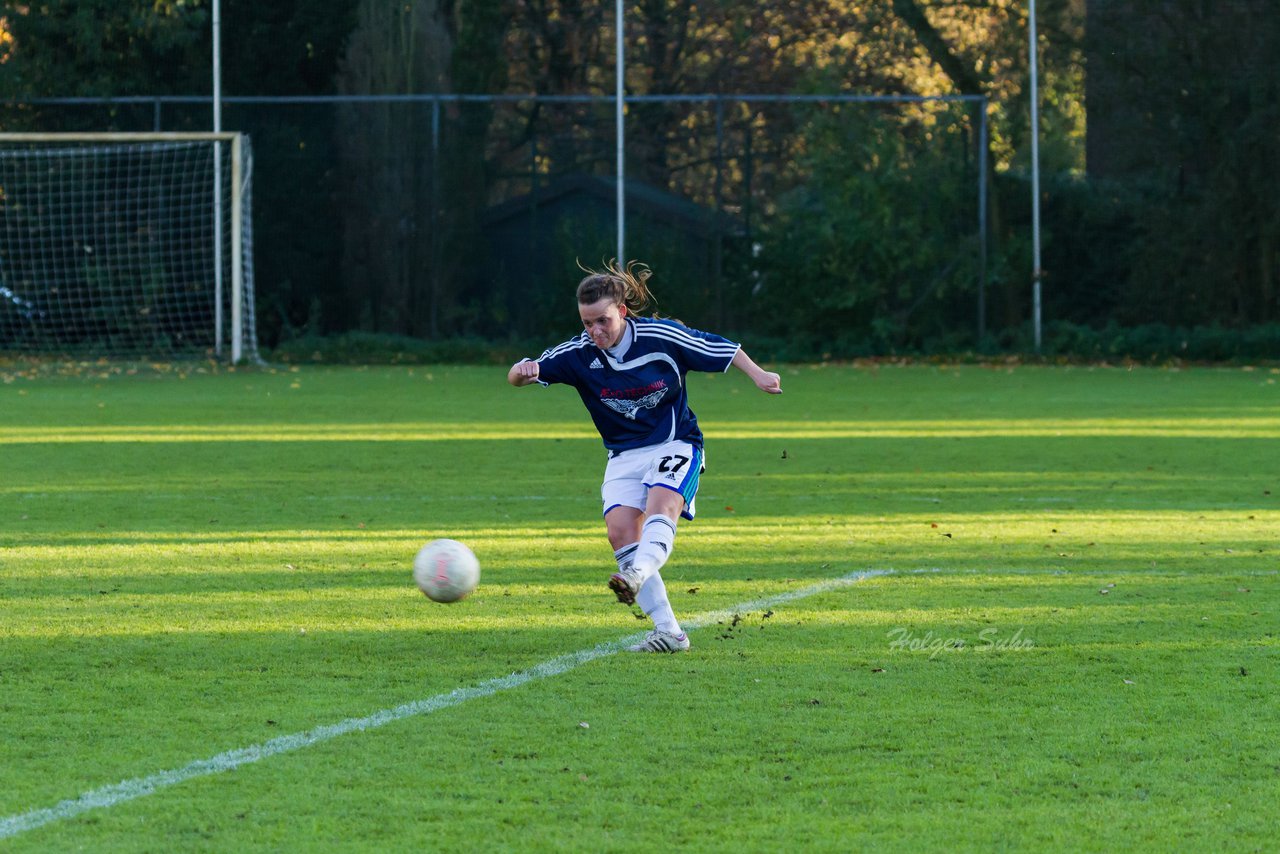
{"points": [[523, 373]]}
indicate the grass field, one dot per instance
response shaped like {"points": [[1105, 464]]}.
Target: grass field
{"points": [[1033, 608]]}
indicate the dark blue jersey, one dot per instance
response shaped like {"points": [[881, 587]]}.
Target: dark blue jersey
{"points": [[638, 398]]}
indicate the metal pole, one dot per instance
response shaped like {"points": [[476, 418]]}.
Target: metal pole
{"points": [[217, 66], [982, 220], [620, 111], [237, 267], [217, 178], [1035, 175], [435, 218], [717, 272]]}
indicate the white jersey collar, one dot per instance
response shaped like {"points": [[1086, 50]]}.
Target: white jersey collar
{"points": [[619, 350]]}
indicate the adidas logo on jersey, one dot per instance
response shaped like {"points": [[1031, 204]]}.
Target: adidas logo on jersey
{"points": [[595, 363]]}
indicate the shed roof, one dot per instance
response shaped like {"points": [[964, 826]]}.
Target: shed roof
{"points": [[642, 199]]}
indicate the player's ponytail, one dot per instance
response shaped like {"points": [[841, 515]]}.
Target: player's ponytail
{"points": [[627, 286]]}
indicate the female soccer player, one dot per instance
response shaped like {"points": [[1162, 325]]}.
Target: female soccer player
{"points": [[630, 372]]}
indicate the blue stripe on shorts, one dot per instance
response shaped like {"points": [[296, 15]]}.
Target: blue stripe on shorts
{"points": [[689, 488]]}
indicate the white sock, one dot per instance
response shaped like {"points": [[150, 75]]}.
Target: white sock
{"points": [[657, 538], [652, 599], [625, 554]]}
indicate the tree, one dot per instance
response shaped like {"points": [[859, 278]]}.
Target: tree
{"points": [[387, 177], [1184, 113], [91, 48], [285, 47], [401, 160], [980, 48]]}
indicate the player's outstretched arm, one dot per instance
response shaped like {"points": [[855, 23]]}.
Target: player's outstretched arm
{"points": [[766, 381], [523, 373]]}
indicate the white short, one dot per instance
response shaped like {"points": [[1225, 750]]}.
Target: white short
{"points": [[631, 474]]}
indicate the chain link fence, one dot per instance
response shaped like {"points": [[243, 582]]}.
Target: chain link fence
{"points": [[815, 218]]}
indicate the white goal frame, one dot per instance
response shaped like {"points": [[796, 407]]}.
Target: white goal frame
{"points": [[236, 141]]}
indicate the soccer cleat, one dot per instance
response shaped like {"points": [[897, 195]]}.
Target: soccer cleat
{"points": [[625, 584], [660, 641]]}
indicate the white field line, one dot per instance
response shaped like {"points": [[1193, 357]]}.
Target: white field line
{"points": [[128, 790]]}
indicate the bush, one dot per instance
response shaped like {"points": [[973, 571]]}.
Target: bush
{"points": [[1156, 343], [1060, 340], [1150, 343], [371, 348]]}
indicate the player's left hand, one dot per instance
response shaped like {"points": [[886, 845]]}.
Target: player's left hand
{"points": [[769, 382]]}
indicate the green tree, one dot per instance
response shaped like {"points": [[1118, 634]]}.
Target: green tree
{"points": [[387, 170], [103, 47], [285, 47], [868, 254], [1185, 125], [400, 160]]}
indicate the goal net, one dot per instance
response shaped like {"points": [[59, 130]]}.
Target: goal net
{"points": [[127, 245]]}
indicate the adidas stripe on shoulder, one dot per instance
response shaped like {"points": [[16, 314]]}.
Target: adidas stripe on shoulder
{"points": [[723, 349], [572, 344]]}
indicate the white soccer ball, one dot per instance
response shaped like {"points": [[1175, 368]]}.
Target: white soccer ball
{"points": [[446, 570]]}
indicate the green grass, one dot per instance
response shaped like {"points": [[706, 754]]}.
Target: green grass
{"points": [[1076, 647]]}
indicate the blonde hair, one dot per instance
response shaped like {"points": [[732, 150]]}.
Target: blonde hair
{"points": [[627, 286]]}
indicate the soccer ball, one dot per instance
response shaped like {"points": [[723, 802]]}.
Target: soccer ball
{"points": [[446, 570]]}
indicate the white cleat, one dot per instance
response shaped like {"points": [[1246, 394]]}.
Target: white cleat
{"points": [[625, 584], [660, 641]]}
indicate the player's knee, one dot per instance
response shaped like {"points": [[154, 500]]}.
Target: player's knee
{"points": [[665, 502], [620, 536], [623, 526]]}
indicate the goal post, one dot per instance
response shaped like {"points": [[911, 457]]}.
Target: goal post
{"points": [[111, 244]]}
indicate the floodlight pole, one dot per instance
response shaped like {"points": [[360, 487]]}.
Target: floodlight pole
{"points": [[619, 124], [1034, 57]]}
